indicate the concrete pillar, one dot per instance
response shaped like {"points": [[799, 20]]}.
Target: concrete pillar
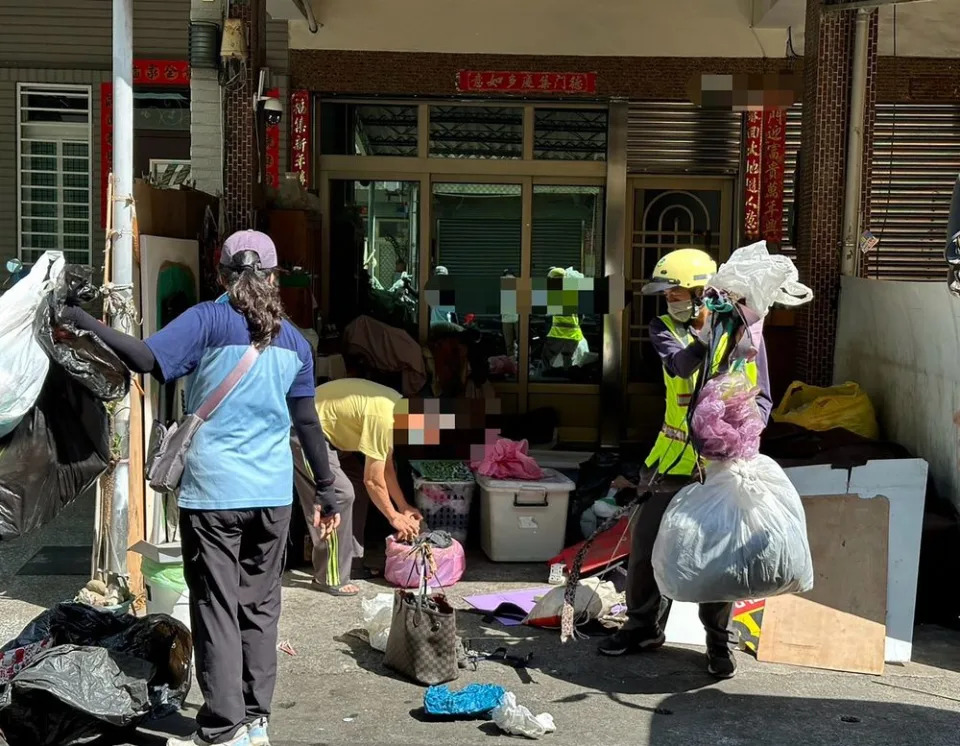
{"points": [[242, 139], [828, 57]]}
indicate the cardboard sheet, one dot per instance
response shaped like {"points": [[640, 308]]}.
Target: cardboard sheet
{"points": [[840, 624], [903, 482]]}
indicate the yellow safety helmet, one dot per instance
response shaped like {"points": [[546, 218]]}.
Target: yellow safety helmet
{"points": [[557, 272], [683, 268]]}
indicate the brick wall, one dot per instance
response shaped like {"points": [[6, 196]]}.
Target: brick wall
{"points": [[242, 192], [829, 54], [904, 79]]}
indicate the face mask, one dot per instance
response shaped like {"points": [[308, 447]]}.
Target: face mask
{"points": [[681, 311]]}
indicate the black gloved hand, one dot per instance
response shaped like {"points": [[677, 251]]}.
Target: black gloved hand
{"points": [[327, 499], [76, 316]]}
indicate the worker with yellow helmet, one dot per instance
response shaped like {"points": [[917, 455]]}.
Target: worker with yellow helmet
{"points": [[564, 335], [680, 338]]}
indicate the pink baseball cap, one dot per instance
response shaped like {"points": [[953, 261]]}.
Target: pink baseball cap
{"points": [[239, 250]]}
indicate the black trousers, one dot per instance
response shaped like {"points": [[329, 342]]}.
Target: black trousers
{"points": [[647, 610], [233, 563]]}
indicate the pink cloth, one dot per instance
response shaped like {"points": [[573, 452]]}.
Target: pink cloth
{"points": [[403, 566], [507, 459]]}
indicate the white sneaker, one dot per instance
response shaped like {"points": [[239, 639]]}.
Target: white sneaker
{"points": [[241, 739], [258, 733]]}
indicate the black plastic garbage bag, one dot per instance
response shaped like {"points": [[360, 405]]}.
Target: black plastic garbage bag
{"points": [[57, 452], [76, 284], [82, 355], [102, 672]]}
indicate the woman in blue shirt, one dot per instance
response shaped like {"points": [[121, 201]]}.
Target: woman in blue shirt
{"points": [[235, 498]]}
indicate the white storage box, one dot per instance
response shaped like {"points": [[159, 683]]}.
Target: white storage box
{"points": [[524, 521]]}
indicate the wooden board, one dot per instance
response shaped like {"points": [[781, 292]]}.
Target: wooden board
{"points": [[841, 623], [136, 521], [168, 266]]}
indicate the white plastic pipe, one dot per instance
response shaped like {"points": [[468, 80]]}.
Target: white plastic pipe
{"points": [[854, 172], [122, 266]]}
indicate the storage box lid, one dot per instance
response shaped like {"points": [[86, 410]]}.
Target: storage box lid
{"points": [[552, 480]]}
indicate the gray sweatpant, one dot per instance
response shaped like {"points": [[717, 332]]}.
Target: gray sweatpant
{"points": [[334, 558], [647, 610], [233, 563]]}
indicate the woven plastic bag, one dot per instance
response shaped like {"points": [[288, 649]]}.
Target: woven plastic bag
{"points": [[23, 362], [741, 534]]}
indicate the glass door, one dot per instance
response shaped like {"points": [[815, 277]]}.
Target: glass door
{"points": [[477, 238], [667, 214], [374, 242]]}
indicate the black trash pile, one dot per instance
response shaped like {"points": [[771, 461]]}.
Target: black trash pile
{"points": [[61, 447], [76, 673]]}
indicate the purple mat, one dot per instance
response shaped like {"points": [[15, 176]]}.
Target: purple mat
{"points": [[525, 600]]}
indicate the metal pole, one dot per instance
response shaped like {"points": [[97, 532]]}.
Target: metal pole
{"points": [[851, 199], [122, 280]]}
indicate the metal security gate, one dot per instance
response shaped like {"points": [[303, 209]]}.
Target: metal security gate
{"points": [[680, 138], [916, 159]]}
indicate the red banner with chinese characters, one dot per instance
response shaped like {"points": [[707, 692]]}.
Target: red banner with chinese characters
{"points": [[774, 144], [273, 148], [300, 149], [106, 145], [161, 72], [752, 179], [478, 81]]}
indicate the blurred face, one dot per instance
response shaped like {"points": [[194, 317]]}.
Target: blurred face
{"points": [[680, 304], [678, 295]]}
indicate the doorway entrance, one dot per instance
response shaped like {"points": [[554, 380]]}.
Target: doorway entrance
{"points": [[665, 213]]}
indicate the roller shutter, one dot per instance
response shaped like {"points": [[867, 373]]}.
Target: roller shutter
{"points": [[680, 138]]}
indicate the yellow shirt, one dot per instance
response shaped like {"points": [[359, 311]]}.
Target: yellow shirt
{"points": [[357, 416]]}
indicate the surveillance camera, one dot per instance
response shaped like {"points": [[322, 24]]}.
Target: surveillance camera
{"points": [[273, 111]]}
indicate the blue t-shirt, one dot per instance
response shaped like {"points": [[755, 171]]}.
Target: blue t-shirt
{"points": [[240, 458]]}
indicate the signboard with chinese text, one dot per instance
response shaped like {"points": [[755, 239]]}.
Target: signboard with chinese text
{"points": [[774, 152], [479, 81], [161, 72], [273, 148], [106, 145], [753, 175], [300, 150]]}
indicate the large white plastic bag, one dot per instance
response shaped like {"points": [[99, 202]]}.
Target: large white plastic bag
{"points": [[761, 279], [23, 363], [377, 617], [741, 534]]}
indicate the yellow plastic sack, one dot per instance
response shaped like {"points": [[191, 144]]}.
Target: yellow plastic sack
{"points": [[816, 408]]}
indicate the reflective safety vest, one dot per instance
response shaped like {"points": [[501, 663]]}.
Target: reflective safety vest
{"points": [[672, 452], [565, 327]]}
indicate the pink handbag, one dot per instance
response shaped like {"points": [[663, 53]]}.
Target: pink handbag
{"points": [[404, 565]]}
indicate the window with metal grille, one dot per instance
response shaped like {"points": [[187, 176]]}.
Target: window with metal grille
{"points": [[53, 171], [916, 159]]}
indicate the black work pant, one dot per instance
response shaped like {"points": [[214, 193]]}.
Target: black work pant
{"points": [[647, 610], [233, 563]]}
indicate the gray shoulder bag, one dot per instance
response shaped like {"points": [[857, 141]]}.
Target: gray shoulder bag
{"points": [[169, 445]]}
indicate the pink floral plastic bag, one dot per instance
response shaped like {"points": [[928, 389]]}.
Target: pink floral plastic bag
{"points": [[726, 421], [507, 459], [404, 567]]}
